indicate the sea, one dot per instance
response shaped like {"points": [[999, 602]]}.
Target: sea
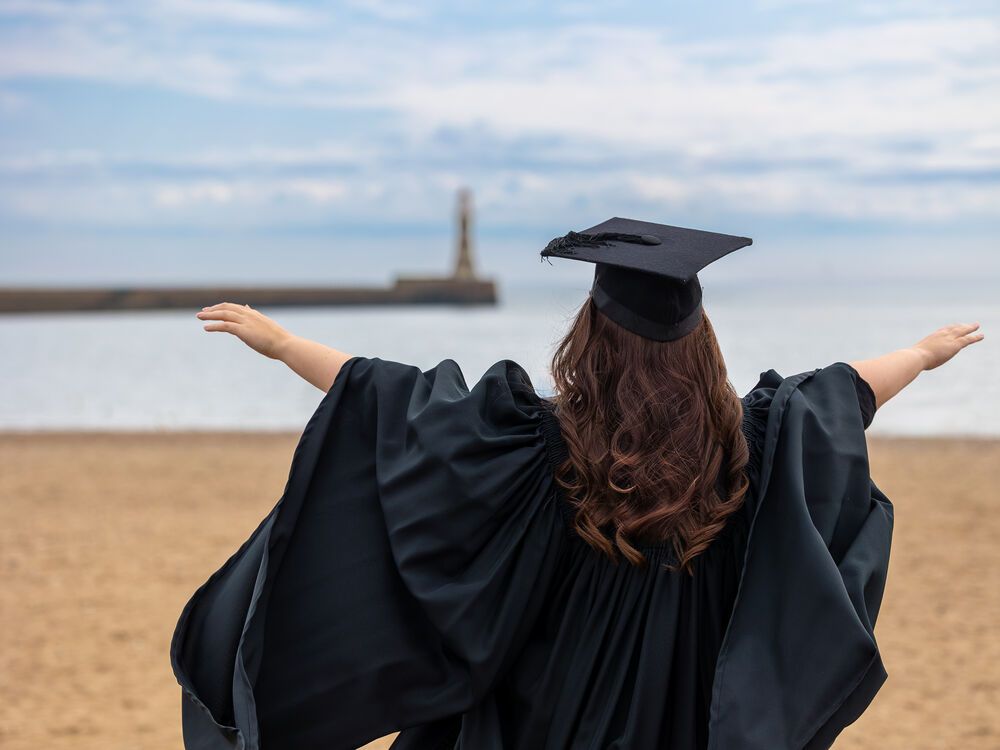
{"points": [[159, 370]]}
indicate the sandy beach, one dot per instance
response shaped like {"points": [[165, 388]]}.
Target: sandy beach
{"points": [[103, 537]]}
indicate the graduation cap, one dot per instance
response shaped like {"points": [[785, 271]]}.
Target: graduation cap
{"points": [[645, 277]]}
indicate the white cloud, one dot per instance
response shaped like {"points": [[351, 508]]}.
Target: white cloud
{"points": [[248, 192], [935, 79], [626, 85], [238, 12], [230, 12], [389, 10], [519, 196], [49, 162], [824, 122]]}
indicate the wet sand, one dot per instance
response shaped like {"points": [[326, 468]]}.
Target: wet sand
{"points": [[103, 537]]}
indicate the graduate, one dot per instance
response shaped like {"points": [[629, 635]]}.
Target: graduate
{"points": [[644, 560]]}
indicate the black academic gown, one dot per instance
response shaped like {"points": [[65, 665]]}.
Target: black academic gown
{"points": [[419, 574]]}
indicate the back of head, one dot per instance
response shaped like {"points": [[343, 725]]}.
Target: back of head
{"points": [[650, 426]]}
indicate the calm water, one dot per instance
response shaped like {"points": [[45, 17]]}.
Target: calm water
{"points": [[160, 370]]}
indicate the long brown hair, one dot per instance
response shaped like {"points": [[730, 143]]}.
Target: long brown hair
{"points": [[649, 426]]}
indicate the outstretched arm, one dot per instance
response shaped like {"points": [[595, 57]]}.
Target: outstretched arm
{"points": [[315, 362], [889, 374]]}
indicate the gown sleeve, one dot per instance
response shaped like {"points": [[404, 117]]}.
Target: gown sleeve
{"points": [[395, 578], [799, 661]]}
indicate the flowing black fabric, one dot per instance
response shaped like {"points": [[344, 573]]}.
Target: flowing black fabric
{"points": [[419, 573]]}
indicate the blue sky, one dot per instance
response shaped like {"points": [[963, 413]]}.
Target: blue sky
{"points": [[178, 140]]}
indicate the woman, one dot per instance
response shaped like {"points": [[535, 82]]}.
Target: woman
{"points": [[645, 560]]}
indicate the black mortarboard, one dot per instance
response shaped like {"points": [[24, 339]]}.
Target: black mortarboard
{"points": [[645, 277]]}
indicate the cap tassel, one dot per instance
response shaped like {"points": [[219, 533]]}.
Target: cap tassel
{"points": [[564, 245]]}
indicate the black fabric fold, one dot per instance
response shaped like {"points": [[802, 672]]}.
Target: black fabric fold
{"points": [[419, 574], [800, 661]]}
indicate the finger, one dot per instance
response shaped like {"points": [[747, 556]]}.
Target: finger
{"points": [[223, 326], [970, 338], [968, 328], [219, 315], [224, 306]]}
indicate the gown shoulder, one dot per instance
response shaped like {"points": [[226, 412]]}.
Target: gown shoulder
{"points": [[757, 401], [815, 566]]}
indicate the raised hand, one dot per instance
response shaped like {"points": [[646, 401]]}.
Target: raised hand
{"points": [[946, 342], [889, 374], [253, 328]]}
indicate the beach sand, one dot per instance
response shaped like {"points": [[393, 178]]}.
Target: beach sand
{"points": [[103, 537]]}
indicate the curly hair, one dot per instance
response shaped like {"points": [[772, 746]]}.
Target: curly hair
{"points": [[650, 427]]}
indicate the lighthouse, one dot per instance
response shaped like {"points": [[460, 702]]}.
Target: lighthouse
{"points": [[463, 261]]}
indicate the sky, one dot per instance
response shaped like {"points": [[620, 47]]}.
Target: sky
{"points": [[243, 140]]}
